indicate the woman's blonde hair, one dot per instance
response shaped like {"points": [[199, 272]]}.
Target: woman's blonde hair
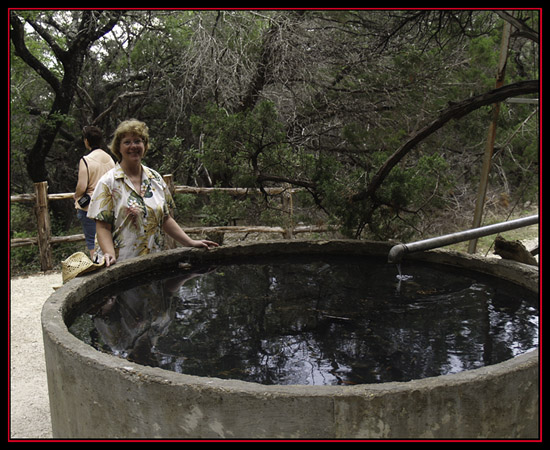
{"points": [[131, 126]]}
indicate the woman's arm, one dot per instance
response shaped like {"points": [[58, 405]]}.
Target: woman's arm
{"points": [[105, 240], [172, 229], [82, 183]]}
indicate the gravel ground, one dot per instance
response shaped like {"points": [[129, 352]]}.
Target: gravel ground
{"points": [[29, 404]]}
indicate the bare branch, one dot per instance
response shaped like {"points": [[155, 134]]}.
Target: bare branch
{"points": [[116, 102], [455, 111], [523, 29], [18, 38]]}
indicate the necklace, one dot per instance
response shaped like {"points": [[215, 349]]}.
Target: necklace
{"points": [[136, 182], [133, 173]]}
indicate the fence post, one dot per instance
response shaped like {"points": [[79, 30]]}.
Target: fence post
{"points": [[288, 208], [43, 225], [169, 180]]}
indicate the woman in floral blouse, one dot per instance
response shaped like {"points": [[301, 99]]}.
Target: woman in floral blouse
{"points": [[131, 202]]}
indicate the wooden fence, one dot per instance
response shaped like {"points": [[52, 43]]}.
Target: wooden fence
{"points": [[45, 240]]}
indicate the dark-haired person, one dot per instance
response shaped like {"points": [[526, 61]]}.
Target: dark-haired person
{"points": [[90, 169]]}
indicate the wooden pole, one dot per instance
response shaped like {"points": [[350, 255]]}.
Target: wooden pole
{"points": [[43, 225], [490, 143], [169, 243], [288, 209]]}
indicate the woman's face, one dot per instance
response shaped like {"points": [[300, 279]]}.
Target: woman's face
{"points": [[132, 147]]}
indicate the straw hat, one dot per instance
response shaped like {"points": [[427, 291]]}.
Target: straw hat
{"points": [[77, 264]]}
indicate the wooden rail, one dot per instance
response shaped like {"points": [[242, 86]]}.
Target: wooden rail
{"points": [[45, 240]]}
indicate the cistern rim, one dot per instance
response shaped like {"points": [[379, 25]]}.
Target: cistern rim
{"points": [[61, 305]]}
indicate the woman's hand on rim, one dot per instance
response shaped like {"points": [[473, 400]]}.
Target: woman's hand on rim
{"points": [[204, 243], [109, 259]]}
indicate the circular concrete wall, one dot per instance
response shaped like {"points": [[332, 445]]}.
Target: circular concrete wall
{"points": [[96, 395]]}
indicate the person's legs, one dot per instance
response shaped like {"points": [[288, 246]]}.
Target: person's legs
{"points": [[89, 230]]}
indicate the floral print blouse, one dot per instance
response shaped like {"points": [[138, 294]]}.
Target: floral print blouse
{"points": [[136, 218]]}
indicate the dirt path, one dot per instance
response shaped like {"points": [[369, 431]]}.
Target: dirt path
{"points": [[29, 404]]}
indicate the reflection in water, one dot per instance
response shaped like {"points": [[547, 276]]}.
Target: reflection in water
{"points": [[320, 322]]}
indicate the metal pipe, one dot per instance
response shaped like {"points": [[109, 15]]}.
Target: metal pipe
{"points": [[398, 251]]}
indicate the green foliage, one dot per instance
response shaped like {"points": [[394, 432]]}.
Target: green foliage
{"points": [[315, 99], [483, 53], [26, 259], [237, 147], [186, 207], [222, 209]]}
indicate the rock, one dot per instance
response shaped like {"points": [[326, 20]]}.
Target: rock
{"points": [[513, 250]]}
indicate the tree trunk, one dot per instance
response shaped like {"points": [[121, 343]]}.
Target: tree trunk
{"points": [[36, 158]]}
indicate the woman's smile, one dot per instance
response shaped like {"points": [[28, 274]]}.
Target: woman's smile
{"points": [[132, 146]]}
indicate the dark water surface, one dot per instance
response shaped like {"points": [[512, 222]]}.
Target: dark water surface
{"points": [[313, 321]]}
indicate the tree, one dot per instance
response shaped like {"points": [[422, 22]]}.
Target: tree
{"points": [[358, 90], [68, 37], [332, 101]]}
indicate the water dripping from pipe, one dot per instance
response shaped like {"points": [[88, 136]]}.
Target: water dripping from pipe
{"points": [[401, 277]]}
